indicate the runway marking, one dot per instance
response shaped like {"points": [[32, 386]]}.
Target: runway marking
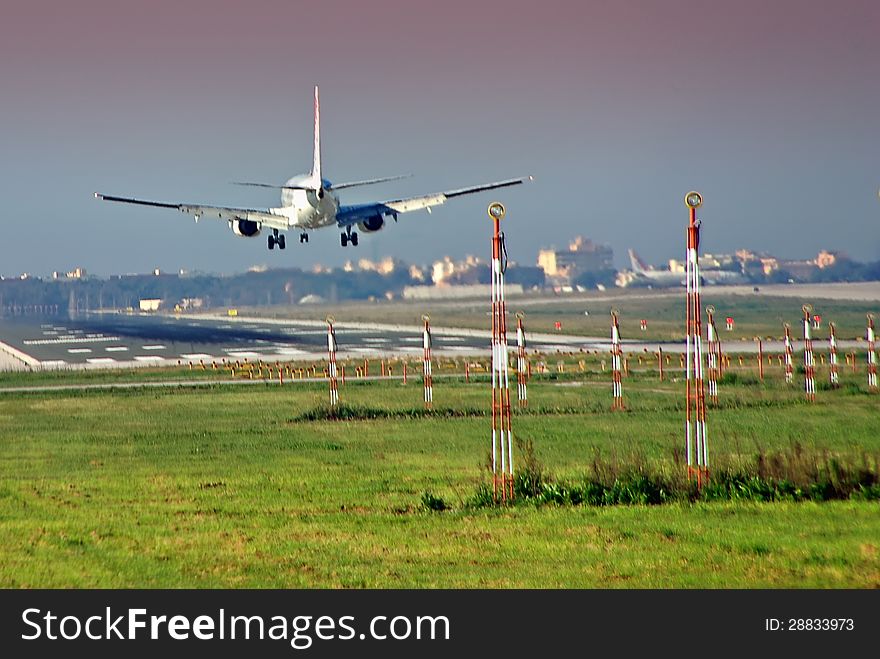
{"points": [[149, 358], [50, 333], [116, 348], [53, 362], [374, 340], [291, 351], [78, 350], [69, 339], [155, 347], [243, 354], [101, 360], [301, 332], [197, 355]]}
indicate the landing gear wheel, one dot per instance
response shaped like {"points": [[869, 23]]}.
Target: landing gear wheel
{"points": [[343, 239], [353, 238], [271, 242], [281, 242], [304, 237]]}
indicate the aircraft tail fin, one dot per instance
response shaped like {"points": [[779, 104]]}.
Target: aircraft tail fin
{"points": [[638, 265], [316, 155]]}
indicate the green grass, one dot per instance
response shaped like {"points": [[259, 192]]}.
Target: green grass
{"points": [[236, 487]]}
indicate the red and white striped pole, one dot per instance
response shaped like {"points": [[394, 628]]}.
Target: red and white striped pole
{"points": [[502, 438], [872, 355], [695, 419], [331, 356], [616, 362], [809, 359], [714, 355], [521, 361], [789, 357], [834, 375], [426, 364], [760, 358]]}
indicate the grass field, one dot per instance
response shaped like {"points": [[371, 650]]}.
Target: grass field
{"points": [[230, 487]]}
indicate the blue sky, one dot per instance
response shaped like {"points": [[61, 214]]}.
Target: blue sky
{"points": [[769, 109]]}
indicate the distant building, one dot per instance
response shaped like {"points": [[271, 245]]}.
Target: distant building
{"points": [[583, 255], [385, 266], [799, 270], [416, 273], [76, 273], [189, 303], [447, 271], [150, 304], [624, 278], [826, 259]]}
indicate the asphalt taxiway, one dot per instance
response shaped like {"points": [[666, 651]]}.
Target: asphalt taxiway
{"points": [[109, 340]]}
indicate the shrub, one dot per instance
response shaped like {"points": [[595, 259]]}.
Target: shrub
{"points": [[794, 474], [433, 503]]}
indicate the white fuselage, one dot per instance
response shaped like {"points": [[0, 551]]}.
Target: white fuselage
{"points": [[307, 209], [667, 278]]}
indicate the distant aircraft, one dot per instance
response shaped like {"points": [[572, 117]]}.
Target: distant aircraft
{"points": [[654, 276], [309, 202], [666, 278]]}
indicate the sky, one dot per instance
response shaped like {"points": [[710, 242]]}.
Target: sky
{"points": [[770, 109]]}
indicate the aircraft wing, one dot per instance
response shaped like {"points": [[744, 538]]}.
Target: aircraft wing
{"points": [[263, 216], [348, 215]]}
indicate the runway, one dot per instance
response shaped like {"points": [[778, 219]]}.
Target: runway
{"points": [[139, 340], [133, 340]]}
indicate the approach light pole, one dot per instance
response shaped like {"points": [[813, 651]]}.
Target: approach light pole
{"points": [[809, 359], [695, 417], [427, 374], [616, 363], [521, 362], [714, 355], [331, 362], [502, 437]]}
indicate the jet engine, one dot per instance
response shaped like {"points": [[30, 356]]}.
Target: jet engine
{"points": [[245, 228], [372, 224]]}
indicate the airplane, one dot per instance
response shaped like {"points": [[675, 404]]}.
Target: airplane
{"points": [[667, 278], [656, 277], [309, 202]]}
